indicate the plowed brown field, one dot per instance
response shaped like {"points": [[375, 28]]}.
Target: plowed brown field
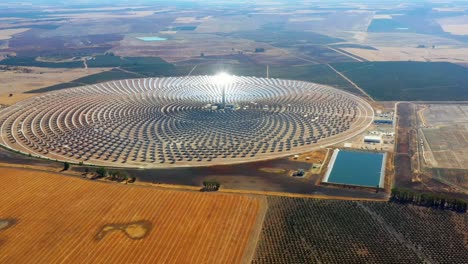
{"points": [[58, 219]]}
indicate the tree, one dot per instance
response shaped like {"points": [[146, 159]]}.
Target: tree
{"points": [[101, 172], [66, 166], [211, 185], [131, 179]]}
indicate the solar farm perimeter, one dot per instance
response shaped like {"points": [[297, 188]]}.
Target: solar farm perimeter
{"points": [[165, 122]]}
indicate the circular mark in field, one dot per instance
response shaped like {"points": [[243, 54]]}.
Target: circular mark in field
{"points": [[135, 230], [183, 121], [6, 223]]}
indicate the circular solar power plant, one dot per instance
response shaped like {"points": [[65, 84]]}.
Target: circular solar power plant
{"points": [[183, 121]]}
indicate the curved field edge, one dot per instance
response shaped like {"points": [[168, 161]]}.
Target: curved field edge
{"points": [[64, 215], [319, 73]]}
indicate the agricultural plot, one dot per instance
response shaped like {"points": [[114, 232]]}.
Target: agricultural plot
{"points": [[445, 133], [99, 61], [49, 218], [185, 45], [32, 44], [330, 23], [18, 80], [323, 54], [448, 145], [9, 33], [457, 25], [412, 53], [321, 231], [457, 177], [285, 38], [419, 20], [439, 114], [408, 81], [317, 73]]}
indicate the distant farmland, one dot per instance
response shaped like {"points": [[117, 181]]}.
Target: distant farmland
{"points": [[49, 218], [384, 81], [153, 67], [409, 81]]}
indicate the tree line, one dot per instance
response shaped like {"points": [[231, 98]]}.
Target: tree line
{"points": [[438, 201], [118, 176]]}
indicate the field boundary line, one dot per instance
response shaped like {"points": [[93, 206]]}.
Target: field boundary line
{"points": [[351, 82], [262, 193], [298, 195], [352, 56], [251, 246], [194, 67]]}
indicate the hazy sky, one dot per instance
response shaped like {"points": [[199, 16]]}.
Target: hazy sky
{"points": [[217, 2], [98, 2]]}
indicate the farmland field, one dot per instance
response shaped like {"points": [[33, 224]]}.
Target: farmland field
{"points": [[311, 73], [448, 145], [444, 136], [409, 81], [18, 80], [48, 218], [324, 231]]}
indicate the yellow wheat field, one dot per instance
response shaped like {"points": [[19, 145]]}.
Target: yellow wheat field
{"points": [[50, 218]]}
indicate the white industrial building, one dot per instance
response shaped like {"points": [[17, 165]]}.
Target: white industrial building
{"points": [[373, 139]]}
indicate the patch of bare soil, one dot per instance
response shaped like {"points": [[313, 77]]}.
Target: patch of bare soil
{"points": [[273, 170], [311, 157]]}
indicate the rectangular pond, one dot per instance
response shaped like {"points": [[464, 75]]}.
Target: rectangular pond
{"points": [[358, 168]]}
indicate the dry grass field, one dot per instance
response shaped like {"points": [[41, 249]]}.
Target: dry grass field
{"points": [[439, 114], [105, 15], [182, 46], [457, 55], [457, 25], [446, 135], [17, 82], [221, 24], [8, 33], [447, 146], [49, 218]]}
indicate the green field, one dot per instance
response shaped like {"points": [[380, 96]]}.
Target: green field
{"points": [[158, 68], [384, 81], [32, 62], [285, 38], [99, 61], [409, 81], [114, 74], [386, 25]]}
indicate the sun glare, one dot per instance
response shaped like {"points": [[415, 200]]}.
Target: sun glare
{"points": [[223, 78]]}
